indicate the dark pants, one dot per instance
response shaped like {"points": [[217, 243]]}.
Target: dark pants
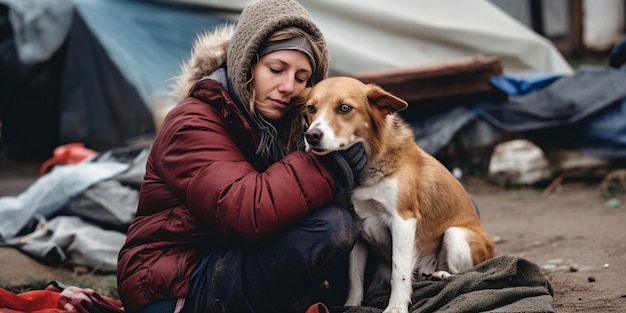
{"points": [[271, 277], [163, 306]]}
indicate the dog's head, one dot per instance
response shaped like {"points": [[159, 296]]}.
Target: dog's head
{"points": [[341, 111]]}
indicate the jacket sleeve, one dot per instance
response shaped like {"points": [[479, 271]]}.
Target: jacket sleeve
{"points": [[206, 168]]}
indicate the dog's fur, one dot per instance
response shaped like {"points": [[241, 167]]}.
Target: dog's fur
{"points": [[410, 208]]}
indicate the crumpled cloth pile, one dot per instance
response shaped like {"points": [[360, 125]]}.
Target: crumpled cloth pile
{"points": [[56, 298]]}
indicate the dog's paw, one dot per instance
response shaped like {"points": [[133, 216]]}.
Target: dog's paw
{"points": [[439, 275]]}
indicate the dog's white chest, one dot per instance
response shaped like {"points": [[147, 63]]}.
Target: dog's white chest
{"points": [[376, 207], [379, 198]]}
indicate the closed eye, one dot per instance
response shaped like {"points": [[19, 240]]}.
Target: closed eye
{"points": [[301, 79]]}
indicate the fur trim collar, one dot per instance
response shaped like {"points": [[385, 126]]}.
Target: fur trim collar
{"points": [[207, 55]]}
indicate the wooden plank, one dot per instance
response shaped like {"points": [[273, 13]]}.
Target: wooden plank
{"points": [[447, 79]]}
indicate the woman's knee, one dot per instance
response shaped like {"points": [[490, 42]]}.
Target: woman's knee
{"points": [[338, 225]]}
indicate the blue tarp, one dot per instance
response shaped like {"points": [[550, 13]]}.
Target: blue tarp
{"points": [[147, 40]]}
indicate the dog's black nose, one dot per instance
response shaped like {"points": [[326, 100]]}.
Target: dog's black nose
{"points": [[313, 136]]}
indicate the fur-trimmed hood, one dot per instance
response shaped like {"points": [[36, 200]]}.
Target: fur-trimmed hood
{"points": [[207, 55]]}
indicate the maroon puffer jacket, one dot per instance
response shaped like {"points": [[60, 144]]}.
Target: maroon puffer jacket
{"points": [[202, 187]]}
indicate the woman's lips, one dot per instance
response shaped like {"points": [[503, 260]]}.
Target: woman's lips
{"points": [[280, 104]]}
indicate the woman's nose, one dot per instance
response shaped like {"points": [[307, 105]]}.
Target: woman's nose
{"points": [[288, 85]]}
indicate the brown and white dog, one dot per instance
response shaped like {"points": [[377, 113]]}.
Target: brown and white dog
{"points": [[410, 208]]}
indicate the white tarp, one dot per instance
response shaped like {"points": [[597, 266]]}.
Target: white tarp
{"points": [[373, 34]]}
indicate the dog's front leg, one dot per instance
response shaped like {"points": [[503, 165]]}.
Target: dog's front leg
{"points": [[403, 259], [358, 259]]}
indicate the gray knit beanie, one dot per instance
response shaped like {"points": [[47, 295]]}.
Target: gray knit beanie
{"points": [[256, 23]]}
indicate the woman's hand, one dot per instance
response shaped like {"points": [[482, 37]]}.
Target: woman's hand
{"points": [[347, 166]]}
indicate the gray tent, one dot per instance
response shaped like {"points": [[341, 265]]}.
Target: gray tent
{"points": [[88, 71]]}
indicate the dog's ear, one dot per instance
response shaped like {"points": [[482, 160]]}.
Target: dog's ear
{"points": [[299, 100], [385, 100]]}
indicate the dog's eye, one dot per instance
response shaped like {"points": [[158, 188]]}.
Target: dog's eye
{"points": [[344, 108], [310, 108]]}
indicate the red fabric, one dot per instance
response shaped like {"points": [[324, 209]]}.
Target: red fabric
{"points": [[71, 300], [317, 308], [70, 153], [36, 301], [203, 181]]}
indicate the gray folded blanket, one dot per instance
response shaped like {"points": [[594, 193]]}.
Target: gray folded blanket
{"points": [[502, 284]]}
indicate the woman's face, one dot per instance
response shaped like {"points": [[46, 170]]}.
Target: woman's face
{"points": [[277, 77]]}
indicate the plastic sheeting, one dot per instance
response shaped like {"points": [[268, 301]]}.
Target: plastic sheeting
{"points": [[564, 102], [77, 213], [72, 239], [585, 110], [51, 192]]}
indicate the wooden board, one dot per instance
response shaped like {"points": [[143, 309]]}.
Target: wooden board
{"points": [[465, 77]]}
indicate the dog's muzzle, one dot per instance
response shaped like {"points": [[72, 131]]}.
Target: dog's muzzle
{"points": [[313, 139]]}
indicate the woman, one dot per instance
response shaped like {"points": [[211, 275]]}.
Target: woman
{"points": [[231, 216]]}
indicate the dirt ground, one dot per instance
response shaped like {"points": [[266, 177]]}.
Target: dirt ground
{"points": [[572, 234]]}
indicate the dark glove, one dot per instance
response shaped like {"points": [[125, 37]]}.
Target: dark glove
{"points": [[347, 166]]}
